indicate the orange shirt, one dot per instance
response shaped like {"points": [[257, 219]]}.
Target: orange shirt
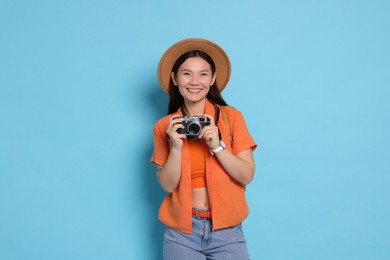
{"points": [[198, 163], [226, 196]]}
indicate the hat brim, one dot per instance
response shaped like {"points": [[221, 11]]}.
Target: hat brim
{"points": [[220, 58]]}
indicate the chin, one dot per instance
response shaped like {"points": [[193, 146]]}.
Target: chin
{"points": [[195, 99]]}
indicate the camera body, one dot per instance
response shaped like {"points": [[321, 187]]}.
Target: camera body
{"points": [[193, 125]]}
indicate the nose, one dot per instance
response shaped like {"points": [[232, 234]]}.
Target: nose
{"points": [[194, 81]]}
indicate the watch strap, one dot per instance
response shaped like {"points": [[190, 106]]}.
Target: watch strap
{"points": [[220, 148]]}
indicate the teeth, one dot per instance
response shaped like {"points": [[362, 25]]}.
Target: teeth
{"points": [[193, 90]]}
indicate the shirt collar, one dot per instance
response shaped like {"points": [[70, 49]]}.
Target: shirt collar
{"points": [[209, 108]]}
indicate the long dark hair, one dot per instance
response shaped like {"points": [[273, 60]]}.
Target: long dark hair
{"points": [[176, 100]]}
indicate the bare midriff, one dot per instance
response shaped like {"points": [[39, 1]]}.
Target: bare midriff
{"points": [[200, 198]]}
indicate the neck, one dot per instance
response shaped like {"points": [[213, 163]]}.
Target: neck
{"points": [[195, 108]]}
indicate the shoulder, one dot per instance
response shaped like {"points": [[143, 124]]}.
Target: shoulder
{"points": [[235, 117], [232, 112], [162, 123]]}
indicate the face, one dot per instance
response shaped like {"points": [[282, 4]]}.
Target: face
{"points": [[194, 79]]}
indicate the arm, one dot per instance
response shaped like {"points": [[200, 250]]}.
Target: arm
{"points": [[169, 174], [240, 167]]}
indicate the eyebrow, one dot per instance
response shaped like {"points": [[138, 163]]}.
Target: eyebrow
{"points": [[206, 70]]}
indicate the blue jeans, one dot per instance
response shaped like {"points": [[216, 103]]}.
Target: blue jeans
{"points": [[202, 244]]}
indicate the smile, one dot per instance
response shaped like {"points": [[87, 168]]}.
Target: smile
{"points": [[194, 90]]}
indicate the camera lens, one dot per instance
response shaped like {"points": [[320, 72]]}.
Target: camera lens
{"points": [[193, 128]]}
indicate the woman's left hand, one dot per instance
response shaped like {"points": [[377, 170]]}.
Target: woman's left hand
{"points": [[210, 133]]}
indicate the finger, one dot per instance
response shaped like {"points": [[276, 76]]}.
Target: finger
{"points": [[174, 120], [209, 131], [208, 138], [178, 137], [176, 126], [173, 117]]}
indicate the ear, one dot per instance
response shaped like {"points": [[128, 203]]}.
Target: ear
{"points": [[173, 78], [213, 79]]}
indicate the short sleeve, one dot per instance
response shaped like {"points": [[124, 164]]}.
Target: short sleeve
{"points": [[161, 147], [242, 139]]}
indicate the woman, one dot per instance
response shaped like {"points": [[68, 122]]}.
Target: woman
{"points": [[205, 176]]}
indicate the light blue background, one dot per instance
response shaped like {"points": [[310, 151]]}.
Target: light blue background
{"points": [[79, 96]]}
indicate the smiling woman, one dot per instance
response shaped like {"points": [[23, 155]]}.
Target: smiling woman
{"points": [[204, 177], [194, 79]]}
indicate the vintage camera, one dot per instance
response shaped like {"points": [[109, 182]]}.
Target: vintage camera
{"points": [[193, 125]]}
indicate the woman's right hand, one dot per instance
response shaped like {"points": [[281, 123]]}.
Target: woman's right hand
{"points": [[169, 174], [174, 136]]}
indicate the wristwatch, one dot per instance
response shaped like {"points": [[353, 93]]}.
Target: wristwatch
{"points": [[220, 148]]}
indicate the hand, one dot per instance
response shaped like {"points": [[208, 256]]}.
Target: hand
{"points": [[174, 136], [210, 133]]}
